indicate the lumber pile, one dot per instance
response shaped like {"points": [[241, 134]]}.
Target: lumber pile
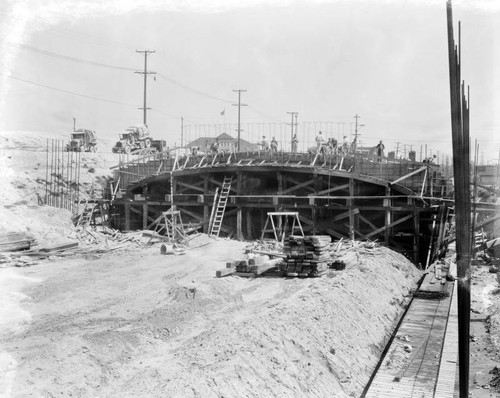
{"points": [[306, 256], [15, 241], [252, 267]]}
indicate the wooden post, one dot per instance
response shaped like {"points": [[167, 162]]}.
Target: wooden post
{"points": [[388, 214], [249, 223], [350, 203], [127, 216], [206, 212], [416, 237], [239, 214], [145, 215], [239, 218], [279, 176]]}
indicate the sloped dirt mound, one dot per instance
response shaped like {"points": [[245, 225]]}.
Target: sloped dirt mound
{"points": [[144, 324]]}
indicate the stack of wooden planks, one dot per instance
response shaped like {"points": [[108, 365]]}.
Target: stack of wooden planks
{"points": [[15, 241], [306, 256], [255, 266]]}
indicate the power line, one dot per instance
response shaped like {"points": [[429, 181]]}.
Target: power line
{"points": [[66, 57], [89, 38], [170, 80], [66, 91]]}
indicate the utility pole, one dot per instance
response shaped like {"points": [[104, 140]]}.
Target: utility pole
{"points": [[293, 114], [239, 105], [145, 73], [74, 124], [356, 132]]}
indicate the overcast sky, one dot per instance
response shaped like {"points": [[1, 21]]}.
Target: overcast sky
{"points": [[385, 61]]}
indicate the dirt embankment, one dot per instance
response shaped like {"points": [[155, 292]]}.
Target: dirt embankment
{"points": [[138, 323]]}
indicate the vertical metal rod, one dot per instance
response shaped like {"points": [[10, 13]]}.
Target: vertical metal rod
{"points": [[46, 172], [461, 155], [68, 186], [49, 198]]}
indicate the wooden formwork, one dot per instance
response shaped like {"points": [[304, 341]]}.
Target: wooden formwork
{"points": [[341, 203]]}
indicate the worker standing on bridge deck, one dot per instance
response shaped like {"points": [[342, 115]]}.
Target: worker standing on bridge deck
{"points": [[380, 151], [274, 146], [331, 145], [295, 141], [345, 146], [215, 147], [319, 142], [264, 144]]}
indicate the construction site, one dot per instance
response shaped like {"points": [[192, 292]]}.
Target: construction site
{"points": [[133, 269]]}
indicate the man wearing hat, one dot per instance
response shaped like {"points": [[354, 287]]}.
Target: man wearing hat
{"points": [[380, 151]]}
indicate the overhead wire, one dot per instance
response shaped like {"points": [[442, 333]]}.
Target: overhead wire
{"points": [[67, 57], [66, 91]]}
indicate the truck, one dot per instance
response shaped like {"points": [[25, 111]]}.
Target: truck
{"points": [[133, 137], [82, 140]]}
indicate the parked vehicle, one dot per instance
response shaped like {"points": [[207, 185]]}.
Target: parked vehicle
{"points": [[82, 140], [159, 145], [134, 137]]}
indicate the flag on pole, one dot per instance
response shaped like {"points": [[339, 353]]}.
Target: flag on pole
{"points": [[223, 112]]}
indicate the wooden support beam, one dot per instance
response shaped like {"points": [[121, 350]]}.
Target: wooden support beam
{"points": [[239, 218], [196, 187], [335, 233], [144, 215], [192, 214], [408, 175], [416, 237], [337, 188], [305, 184], [393, 224], [388, 214], [127, 217], [136, 211], [239, 213], [343, 215], [350, 202], [368, 222]]}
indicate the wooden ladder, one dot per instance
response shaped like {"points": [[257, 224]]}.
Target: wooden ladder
{"points": [[221, 207], [87, 214]]}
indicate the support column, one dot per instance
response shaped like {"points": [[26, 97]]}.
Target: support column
{"points": [[206, 211], [388, 214], [249, 223], [144, 216], [239, 214], [127, 216], [416, 237], [350, 203]]}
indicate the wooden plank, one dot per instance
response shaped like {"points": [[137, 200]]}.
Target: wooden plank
{"points": [[64, 246], [224, 272], [416, 373], [445, 386]]}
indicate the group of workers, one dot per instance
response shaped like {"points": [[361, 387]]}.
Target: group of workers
{"points": [[329, 146]]}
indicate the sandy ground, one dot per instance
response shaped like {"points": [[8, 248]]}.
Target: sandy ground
{"points": [[138, 323]]}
